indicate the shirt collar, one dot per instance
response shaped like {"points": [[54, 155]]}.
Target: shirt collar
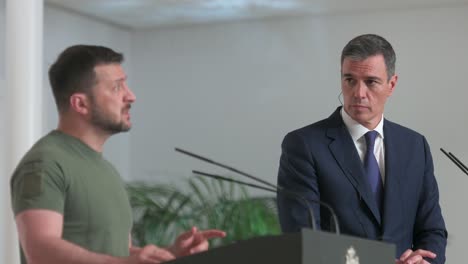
{"points": [[357, 130]]}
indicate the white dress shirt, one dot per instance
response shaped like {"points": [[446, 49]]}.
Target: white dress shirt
{"points": [[358, 131]]}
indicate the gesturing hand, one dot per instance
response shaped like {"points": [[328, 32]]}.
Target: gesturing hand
{"points": [[149, 254], [415, 257], [194, 241]]}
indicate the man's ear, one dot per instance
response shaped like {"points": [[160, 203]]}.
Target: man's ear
{"points": [[79, 102], [392, 84]]}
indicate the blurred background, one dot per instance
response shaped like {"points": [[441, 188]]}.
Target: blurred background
{"points": [[227, 79]]}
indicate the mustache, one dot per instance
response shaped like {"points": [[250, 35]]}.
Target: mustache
{"points": [[126, 108]]}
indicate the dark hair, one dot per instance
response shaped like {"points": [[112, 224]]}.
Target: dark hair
{"points": [[74, 71], [364, 46]]}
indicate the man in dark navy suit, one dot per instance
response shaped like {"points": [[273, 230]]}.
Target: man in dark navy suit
{"points": [[377, 175]]}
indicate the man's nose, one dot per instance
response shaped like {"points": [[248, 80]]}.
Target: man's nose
{"points": [[130, 96], [360, 90]]}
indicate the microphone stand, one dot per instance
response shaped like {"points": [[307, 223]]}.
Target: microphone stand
{"points": [[271, 187]]}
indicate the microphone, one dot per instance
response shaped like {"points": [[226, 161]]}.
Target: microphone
{"points": [[271, 187], [455, 160]]}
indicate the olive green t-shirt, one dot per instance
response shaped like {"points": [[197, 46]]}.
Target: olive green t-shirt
{"points": [[62, 174]]}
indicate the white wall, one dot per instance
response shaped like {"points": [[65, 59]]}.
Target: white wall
{"points": [[232, 91], [4, 205], [2, 45]]}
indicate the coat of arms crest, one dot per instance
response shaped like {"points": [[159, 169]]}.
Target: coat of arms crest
{"points": [[351, 256]]}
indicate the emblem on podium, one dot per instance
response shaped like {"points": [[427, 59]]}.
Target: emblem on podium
{"points": [[351, 256]]}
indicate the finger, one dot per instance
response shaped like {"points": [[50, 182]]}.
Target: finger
{"points": [[159, 257], [212, 233], [406, 254], [204, 236], [413, 259], [187, 238], [425, 253], [188, 233], [199, 248], [155, 253]]}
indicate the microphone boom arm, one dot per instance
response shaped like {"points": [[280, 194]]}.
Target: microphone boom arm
{"points": [[278, 190], [456, 161], [193, 155], [271, 187]]}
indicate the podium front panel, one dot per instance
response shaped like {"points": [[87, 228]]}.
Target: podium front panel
{"points": [[306, 247]]}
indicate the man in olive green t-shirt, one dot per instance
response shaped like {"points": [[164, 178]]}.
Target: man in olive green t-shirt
{"points": [[69, 202], [62, 174]]}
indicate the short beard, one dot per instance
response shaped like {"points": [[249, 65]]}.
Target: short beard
{"points": [[101, 121]]}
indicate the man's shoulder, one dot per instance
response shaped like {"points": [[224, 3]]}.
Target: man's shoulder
{"points": [[400, 130], [39, 180], [316, 127], [320, 127], [47, 155], [47, 148]]}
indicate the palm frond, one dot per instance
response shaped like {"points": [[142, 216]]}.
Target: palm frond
{"points": [[162, 211]]}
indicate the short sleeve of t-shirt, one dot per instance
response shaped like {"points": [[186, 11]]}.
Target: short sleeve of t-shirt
{"points": [[38, 185]]}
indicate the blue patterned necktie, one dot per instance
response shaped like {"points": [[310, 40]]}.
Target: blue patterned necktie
{"points": [[372, 169]]}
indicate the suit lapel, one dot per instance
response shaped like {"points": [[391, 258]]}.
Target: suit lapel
{"points": [[394, 172], [344, 151]]}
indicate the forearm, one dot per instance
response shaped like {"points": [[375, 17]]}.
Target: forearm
{"points": [[58, 251], [434, 241]]}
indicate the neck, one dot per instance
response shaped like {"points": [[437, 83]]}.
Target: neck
{"points": [[85, 132]]}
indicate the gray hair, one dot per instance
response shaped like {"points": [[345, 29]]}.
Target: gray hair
{"points": [[365, 46]]}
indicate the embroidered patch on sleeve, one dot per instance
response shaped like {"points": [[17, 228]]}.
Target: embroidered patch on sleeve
{"points": [[31, 185]]}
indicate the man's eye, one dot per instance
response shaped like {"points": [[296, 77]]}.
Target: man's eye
{"points": [[371, 82], [349, 81], [118, 87]]}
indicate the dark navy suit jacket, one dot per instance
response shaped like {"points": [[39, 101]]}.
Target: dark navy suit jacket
{"points": [[321, 162]]}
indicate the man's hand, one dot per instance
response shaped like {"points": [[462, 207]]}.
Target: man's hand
{"points": [[415, 257], [193, 241], [149, 254]]}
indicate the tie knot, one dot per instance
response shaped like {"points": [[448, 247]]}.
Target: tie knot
{"points": [[370, 138]]}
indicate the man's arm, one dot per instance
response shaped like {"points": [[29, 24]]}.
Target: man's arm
{"points": [[429, 233], [297, 173], [429, 227], [40, 234]]}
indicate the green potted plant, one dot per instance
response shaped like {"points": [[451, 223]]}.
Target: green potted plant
{"points": [[162, 211]]}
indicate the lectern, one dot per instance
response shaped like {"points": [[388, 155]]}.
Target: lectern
{"points": [[305, 247]]}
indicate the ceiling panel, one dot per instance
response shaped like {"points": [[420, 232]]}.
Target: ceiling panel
{"points": [[152, 13]]}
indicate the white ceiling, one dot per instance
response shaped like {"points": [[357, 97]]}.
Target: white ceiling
{"points": [[139, 14]]}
